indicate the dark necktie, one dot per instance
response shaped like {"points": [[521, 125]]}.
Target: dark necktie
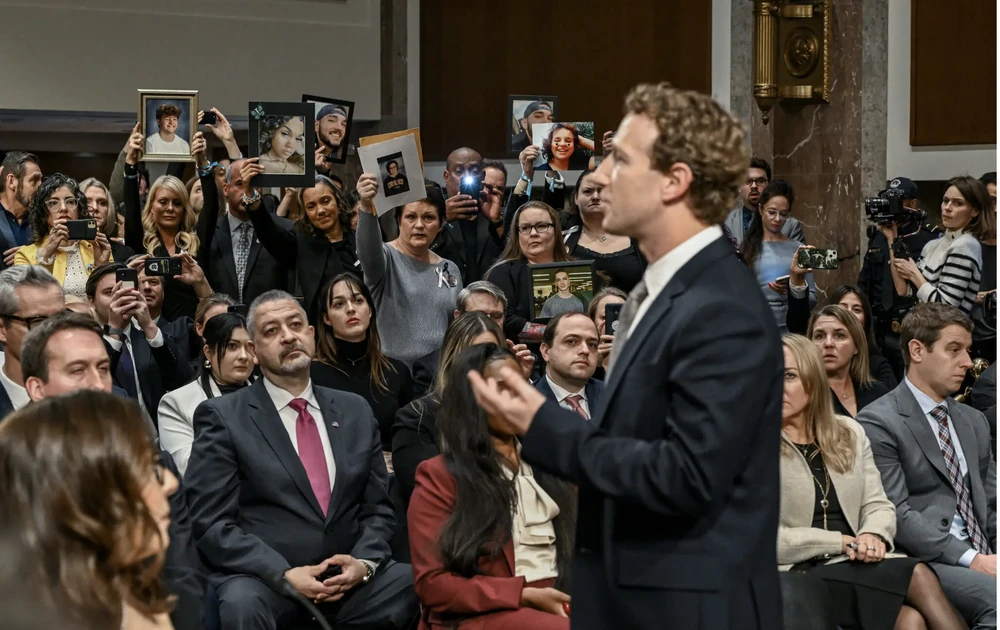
{"points": [[629, 311], [311, 453], [976, 537], [242, 253], [574, 404], [126, 370]]}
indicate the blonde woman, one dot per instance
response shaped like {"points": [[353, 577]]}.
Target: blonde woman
{"points": [[101, 206], [835, 520], [168, 227], [843, 346]]}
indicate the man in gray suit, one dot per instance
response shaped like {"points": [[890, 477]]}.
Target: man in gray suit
{"points": [[936, 464]]}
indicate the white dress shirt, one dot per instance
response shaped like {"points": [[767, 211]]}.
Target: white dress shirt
{"points": [[659, 273], [116, 344], [289, 416], [562, 395], [927, 404], [18, 395]]}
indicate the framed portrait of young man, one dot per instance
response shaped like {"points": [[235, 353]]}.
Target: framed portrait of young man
{"points": [[523, 111], [282, 137], [396, 164], [168, 120], [334, 118], [561, 287]]}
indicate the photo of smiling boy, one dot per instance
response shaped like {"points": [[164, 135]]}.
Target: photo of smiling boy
{"points": [[167, 139]]}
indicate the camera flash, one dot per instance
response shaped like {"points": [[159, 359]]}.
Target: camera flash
{"points": [[469, 179]]}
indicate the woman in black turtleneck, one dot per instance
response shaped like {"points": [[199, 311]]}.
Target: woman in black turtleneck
{"points": [[349, 352], [228, 364]]}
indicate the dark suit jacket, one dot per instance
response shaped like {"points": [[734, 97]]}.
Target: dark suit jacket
{"points": [[6, 406], [181, 573], [414, 439], [160, 370], [186, 340], [513, 277], [984, 391], [424, 370], [448, 598], [679, 465], [253, 509], [593, 390], [487, 247], [916, 479], [121, 252], [314, 258]]}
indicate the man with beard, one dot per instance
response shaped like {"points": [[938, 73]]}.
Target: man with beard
{"points": [[738, 221], [331, 128], [165, 140], [21, 177], [287, 487], [535, 113]]}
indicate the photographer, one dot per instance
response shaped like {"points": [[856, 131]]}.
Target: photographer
{"points": [[875, 279], [984, 313]]}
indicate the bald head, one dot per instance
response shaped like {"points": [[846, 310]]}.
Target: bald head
{"points": [[461, 162]]}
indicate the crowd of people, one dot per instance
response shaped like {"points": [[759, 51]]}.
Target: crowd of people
{"points": [[224, 403]]}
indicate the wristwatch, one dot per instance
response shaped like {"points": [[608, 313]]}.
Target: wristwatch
{"points": [[370, 572], [249, 201], [109, 331]]}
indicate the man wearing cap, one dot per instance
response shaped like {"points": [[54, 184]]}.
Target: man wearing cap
{"points": [[535, 113], [875, 279], [331, 127]]}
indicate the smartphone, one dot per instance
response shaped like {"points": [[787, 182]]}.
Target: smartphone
{"points": [[82, 229], [240, 309], [128, 277], [818, 259], [163, 267], [611, 314], [209, 118], [783, 280], [331, 571], [471, 185]]}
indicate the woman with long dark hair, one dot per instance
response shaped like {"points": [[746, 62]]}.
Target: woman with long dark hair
{"points": [[349, 352], [227, 367], [491, 539], [81, 480], [772, 255]]}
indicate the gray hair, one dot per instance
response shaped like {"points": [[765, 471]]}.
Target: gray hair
{"points": [[20, 276], [274, 295], [480, 286]]}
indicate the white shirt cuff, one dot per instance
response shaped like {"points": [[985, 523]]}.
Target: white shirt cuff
{"points": [[156, 341], [115, 344], [373, 565], [967, 558], [799, 292]]}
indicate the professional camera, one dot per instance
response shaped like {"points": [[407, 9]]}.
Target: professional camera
{"points": [[887, 208], [990, 309]]}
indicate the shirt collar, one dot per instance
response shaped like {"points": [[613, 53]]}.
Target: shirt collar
{"points": [[562, 394], [659, 273], [281, 398], [926, 403], [234, 223], [18, 395]]}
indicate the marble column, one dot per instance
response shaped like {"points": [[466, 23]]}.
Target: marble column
{"points": [[833, 154]]}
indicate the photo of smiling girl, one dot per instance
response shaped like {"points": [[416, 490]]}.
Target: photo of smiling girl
{"points": [[564, 146], [282, 143]]}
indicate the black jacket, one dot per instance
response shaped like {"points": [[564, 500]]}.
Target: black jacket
{"points": [[513, 277], [159, 370], [414, 439], [488, 247]]}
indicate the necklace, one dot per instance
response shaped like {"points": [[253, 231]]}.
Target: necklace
{"points": [[603, 238], [810, 452]]}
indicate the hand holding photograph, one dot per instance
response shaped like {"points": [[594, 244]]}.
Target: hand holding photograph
{"points": [[564, 146], [281, 137], [396, 164], [525, 111], [168, 121]]}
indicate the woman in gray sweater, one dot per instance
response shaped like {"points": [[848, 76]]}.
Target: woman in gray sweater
{"points": [[415, 290]]}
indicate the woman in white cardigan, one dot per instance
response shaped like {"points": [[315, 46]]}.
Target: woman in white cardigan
{"points": [[835, 520], [949, 268], [228, 366]]}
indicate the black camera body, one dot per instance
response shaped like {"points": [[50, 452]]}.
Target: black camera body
{"points": [[163, 267], [887, 208], [900, 250], [990, 309]]}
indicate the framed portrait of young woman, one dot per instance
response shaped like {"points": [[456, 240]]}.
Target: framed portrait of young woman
{"points": [[282, 137]]}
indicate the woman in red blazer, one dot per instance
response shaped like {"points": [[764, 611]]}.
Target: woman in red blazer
{"points": [[491, 540]]}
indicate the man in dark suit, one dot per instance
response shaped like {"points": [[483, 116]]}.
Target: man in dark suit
{"points": [[287, 482], [936, 463], [678, 469], [145, 362], [569, 347], [238, 265], [180, 330], [20, 177]]}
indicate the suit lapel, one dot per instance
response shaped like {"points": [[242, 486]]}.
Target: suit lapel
{"points": [[141, 358], [508, 554], [331, 416], [543, 386], [225, 240], [265, 417], [251, 256], [916, 421]]}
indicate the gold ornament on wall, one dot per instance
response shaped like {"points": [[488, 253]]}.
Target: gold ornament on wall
{"points": [[791, 53]]}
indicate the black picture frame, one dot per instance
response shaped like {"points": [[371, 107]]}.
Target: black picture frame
{"points": [[260, 113], [341, 157], [514, 98], [583, 276]]}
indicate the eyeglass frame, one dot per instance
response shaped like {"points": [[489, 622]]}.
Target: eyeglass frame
{"points": [[539, 228], [71, 203], [34, 320]]}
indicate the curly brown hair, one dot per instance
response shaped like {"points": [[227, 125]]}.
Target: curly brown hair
{"points": [[72, 473], [696, 131], [38, 213]]}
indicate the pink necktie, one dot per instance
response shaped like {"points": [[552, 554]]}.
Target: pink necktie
{"points": [[311, 453], [574, 403]]}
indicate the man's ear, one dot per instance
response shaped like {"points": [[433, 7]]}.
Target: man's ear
{"points": [[544, 348], [676, 182], [916, 350], [3, 332], [35, 387]]}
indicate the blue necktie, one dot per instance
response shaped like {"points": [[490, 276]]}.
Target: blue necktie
{"points": [[126, 372]]}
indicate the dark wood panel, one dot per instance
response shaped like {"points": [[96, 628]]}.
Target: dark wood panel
{"points": [[587, 52], [953, 69]]}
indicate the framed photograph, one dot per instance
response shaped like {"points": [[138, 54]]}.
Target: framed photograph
{"points": [[396, 163], [384, 137], [565, 287], [564, 146], [168, 120], [281, 136], [525, 110], [334, 119]]}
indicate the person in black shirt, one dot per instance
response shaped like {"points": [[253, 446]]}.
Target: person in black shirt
{"points": [[395, 183], [21, 177], [984, 333], [349, 353], [875, 279]]}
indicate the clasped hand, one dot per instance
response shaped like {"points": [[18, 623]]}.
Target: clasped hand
{"points": [[304, 579]]}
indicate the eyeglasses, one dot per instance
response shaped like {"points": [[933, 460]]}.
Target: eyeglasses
{"points": [[759, 182], [55, 204], [540, 228], [774, 214]]}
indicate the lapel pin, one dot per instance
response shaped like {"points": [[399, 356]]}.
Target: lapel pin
{"points": [[335, 424]]}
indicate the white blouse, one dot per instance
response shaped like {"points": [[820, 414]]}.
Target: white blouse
{"points": [[534, 534]]}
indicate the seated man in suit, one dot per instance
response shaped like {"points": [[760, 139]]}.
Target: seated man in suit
{"points": [[569, 347], [936, 464], [66, 353], [287, 483], [180, 330], [145, 361], [28, 295]]}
